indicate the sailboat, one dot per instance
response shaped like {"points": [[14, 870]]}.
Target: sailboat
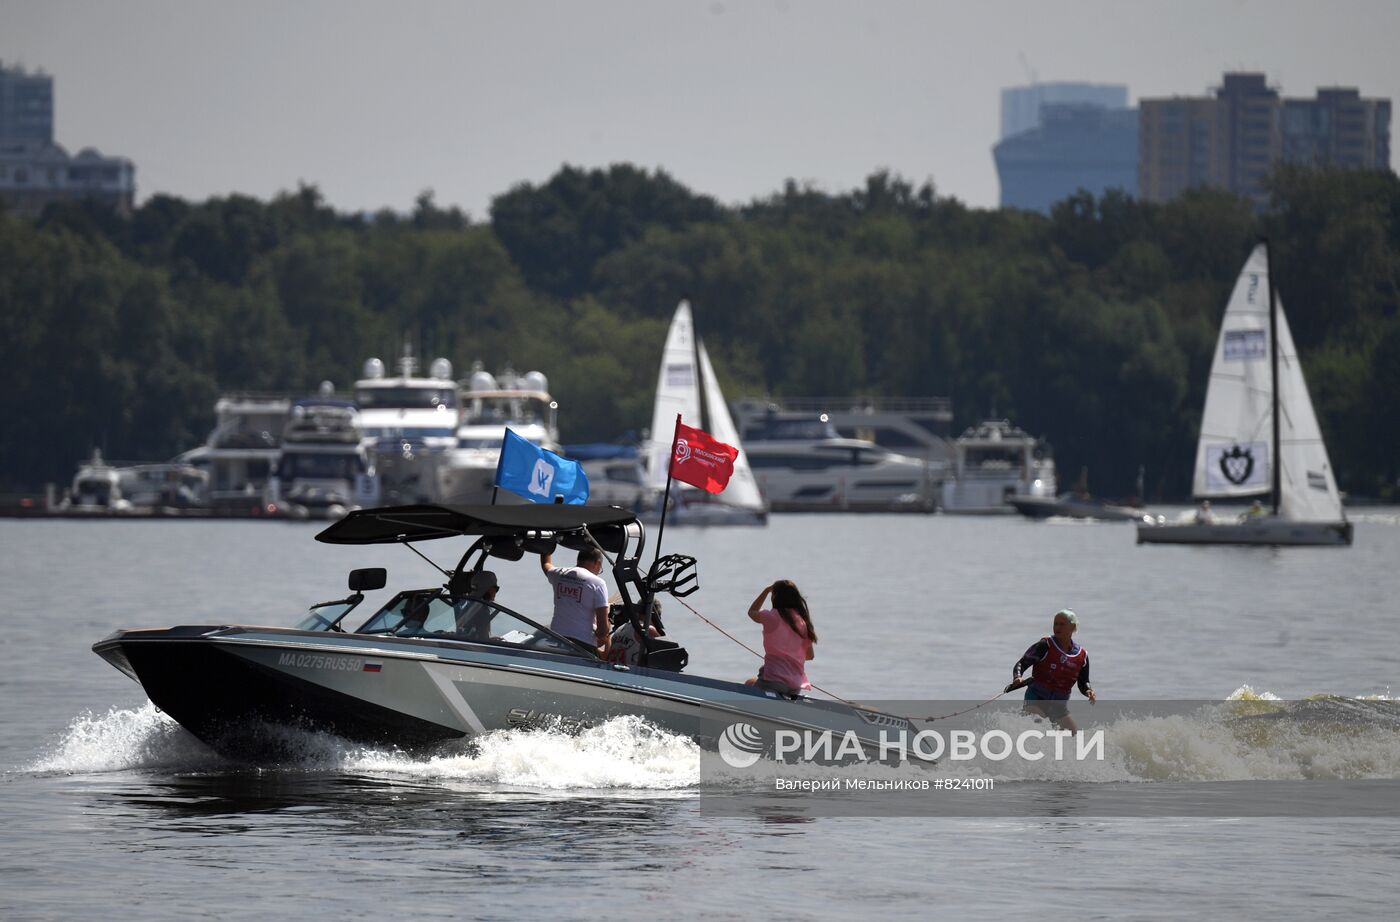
{"points": [[686, 385], [1259, 434]]}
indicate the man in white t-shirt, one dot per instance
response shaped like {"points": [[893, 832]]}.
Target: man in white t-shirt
{"points": [[580, 598]]}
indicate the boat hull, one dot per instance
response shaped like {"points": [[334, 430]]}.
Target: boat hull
{"points": [[236, 688], [1273, 532]]}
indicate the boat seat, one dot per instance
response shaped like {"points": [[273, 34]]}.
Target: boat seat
{"points": [[667, 655]]}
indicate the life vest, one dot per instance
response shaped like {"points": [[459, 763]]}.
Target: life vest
{"points": [[1058, 670]]}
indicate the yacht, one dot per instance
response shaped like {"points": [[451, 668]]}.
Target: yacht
{"points": [[490, 404], [96, 488], [438, 663], [802, 464], [993, 462], [410, 423], [168, 485], [241, 452], [325, 469], [616, 474]]}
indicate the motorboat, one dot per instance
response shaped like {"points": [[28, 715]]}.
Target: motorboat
{"points": [[325, 469], [439, 663], [1075, 506], [686, 386], [1259, 434], [1079, 503], [993, 462], [410, 422], [804, 464], [489, 405]]}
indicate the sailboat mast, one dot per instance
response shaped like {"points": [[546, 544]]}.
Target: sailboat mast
{"points": [[1275, 461]]}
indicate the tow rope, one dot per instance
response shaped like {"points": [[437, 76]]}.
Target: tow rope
{"points": [[860, 707]]}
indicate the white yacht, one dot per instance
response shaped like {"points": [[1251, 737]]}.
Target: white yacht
{"points": [[490, 404], [617, 474], [410, 422], [97, 488], [126, 488], [803, 464], [169, 485], [241, 451], [994, 461], [325, 469]]}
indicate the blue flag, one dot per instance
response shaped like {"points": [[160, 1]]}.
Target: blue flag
{"points": [[538, 474]]}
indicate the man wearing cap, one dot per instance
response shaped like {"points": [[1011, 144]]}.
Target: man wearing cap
{"points": [[1057, 664]]}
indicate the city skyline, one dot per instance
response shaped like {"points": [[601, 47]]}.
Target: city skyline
{"points": [[374, 104]]}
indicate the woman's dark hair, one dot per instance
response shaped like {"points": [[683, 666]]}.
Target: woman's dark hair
{"points": [[790, 604]]}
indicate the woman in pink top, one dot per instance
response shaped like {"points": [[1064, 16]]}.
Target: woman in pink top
{"points": [[788, 637]]}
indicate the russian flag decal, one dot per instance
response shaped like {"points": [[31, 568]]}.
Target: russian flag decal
{"points": [[371, 666]]}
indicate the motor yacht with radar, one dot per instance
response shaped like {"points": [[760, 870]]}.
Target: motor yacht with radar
{"points": [[441, 663], [1259, 434]]}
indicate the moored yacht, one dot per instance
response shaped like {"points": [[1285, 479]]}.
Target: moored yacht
{"points": [[325, 470], [241, 452], [490, 404], [993, 462], [97, 488], [803, 464], [411, 423]]}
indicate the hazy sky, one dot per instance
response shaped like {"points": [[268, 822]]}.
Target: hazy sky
{"points": [[376, 101]]}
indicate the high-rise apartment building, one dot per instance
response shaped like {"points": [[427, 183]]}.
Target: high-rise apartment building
{"points": [[1232, 140], [26, 105], [36, 172], [1337, 128]]}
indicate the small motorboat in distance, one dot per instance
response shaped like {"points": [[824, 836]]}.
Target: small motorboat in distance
{"points": [[1075, 506], [1078, 503], [440, 663]]}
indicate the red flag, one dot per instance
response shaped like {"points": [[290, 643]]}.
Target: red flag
{"points": [[702, 460]]}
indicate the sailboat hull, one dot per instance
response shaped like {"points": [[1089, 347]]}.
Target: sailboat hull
{"points": [[1273, 532]]}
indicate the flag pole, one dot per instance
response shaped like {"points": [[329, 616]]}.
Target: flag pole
{"points": [[500, 459], [666, 495]]}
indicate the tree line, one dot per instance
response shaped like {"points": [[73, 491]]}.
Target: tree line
{"points": [[1093, 326]]}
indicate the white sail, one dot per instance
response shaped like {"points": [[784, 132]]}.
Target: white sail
{"points": [[677, 391], [1307, 486], [742, 490], [1234, 456]]}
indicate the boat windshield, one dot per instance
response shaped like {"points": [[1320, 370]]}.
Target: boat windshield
{"points": [[433, 614], [321, 617]]}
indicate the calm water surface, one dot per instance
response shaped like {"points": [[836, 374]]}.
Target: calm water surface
{"points": [[103, 799]]}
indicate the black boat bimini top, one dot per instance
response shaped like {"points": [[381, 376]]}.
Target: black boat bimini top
{"points": [[404, 524]]}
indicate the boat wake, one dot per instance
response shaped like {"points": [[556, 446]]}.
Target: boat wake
{"points": [[625, 753], [1250, 736]]}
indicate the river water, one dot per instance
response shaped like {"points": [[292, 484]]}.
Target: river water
{"points": [[106, 802]]}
